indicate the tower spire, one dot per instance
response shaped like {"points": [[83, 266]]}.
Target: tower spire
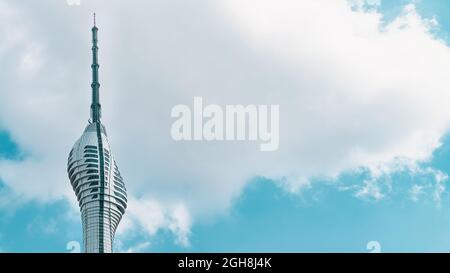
{"points": [[95, 105]]}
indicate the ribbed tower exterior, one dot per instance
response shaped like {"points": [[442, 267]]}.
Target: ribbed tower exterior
{"points": [[95, 177]]}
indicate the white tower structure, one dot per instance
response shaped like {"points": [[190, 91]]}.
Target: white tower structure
{"points": [[94, 175]]}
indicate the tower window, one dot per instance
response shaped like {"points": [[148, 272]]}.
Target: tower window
{"points": [[92, 177], [120, 195], [91, 160], [120, 190], [90, 147]]}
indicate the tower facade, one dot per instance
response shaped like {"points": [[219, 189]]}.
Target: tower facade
{"points": [[94, 175]]}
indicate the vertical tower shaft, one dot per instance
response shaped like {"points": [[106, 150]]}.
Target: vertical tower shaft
{"points": [[95, 105]]}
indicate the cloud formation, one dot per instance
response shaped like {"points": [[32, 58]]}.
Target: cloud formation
{"points": [[354, 91]]}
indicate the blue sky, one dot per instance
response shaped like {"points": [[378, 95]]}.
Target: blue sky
{"points": [[324, 215], [267, 219]]}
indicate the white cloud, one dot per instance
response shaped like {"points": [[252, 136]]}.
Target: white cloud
{"points": [[42, 225], [354, 91], [137, 248], [180, 225], [370, 190], [441, 179], [149, 216], [398, 180], [416, 191]]}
